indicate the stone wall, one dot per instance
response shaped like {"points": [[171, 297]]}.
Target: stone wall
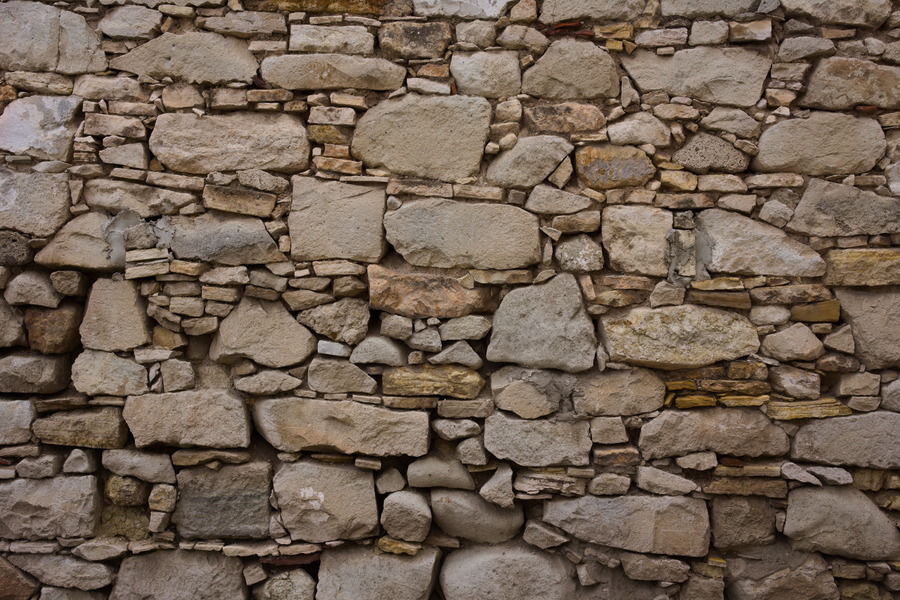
{"points": [[450, 300]]}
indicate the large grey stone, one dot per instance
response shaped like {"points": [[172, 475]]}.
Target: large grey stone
{"points": [[865, 440], [866, 13], [64, 571], [639, 128], [842, 521], [131, 22], [36, 509], [330, 220], [424, 136], [228, 142], [221, 238], [636, 238], [554, 11], [147, 466], [12, 326], [465, 514], [552, 75], [359, 573], [293, 424], [338, 376], [823, 144], [510, 571], [610, 393], [772, 572], [656, 524], [104, 374], [436, 232], [529, 162], [467, 9], [39, 37], [742, 521], [730, 76], [211, 418], [25, 372], [33, 203], [489, 74], [537, 443], [843, 83], [294, 584], [179, 575], [529, 393], [16, 417], [674, 337], [232, 502], [830, 209], [264, 332], [40, 126], [731, 243], [115, 318], [544, 326], [875, 320], [732, 431], [406, 515], [114, 196], [196, 57], [693, 9], [332, 71], [321, 502], [84, 243]]}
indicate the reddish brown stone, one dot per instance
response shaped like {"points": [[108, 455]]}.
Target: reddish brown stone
{"points": [[53, 331], [14, 584], [420, 295]]}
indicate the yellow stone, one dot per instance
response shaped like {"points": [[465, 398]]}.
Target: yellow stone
{"points": [[427, 380], [863, 266], [810, 409], [694, 400], [393, 546], [744, 400], [828, 311]]}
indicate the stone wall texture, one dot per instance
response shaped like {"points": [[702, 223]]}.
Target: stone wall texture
{"points": [[450, 300]]}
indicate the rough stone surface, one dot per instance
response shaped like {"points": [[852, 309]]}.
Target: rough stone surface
{"points": [[36, 509], [770, 572], [661, 525], [553, 11], [562, 443], [851, 145], [34, 203], [292, 425], [742, 521], [16, 417], [65, 571], [424, 136], [843, 83], [221, 238], [636, 238], [332, 71], [832, 209], [678, 336], [358, 573], [550, 77], [488, 74], [860, 440], [866, 13], [115, 196], [82, 243], [730, 76], [179, 575], [40, 126], [90, 428], [344, 321], [26, 372], [544, 326], [321, 502], [529, 162], [424, 294], [228, 142], [469, 9], [704, 153], [608, 167], [435, 232], [105, 374], [264, 332], [737, 432], [629, 392]]}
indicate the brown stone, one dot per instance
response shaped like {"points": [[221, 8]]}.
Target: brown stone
{"points": [[566, 117], [747, 486], [607, 167], [810, 409], [427, 380], [863, 266], [89, 428], [790, 294], [421, 295], [828, 311]]}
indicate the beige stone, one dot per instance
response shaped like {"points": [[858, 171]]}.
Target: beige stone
{"points": [[115, 317], [875, 320], [424, 294], [551, 77], [332, 71], [636, 238], [629, 392], [863, 266], [35, 203], [518, 440], [264, 332], [88, 428], [442, 380]]}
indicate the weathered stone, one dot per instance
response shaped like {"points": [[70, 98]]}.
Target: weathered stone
{"points": [[25, 372], [875, 319], [266, 382], [39, 37], [648, 568], [467, 515], [529, 162], [343, 40], [16, 417], [823, 144], [90, 428], [629, 392], [238, 200], [795, 382], [774, 571], [40, 126], [842, 521], [336, 220], [693, 9], [36, 509], [179, 575], [424, 136], [554, 11], [230, 142], [65, 571], [607, 167], [551, 77], [414, 40], [103, 373], [264, 332], [657, 481], [245, 24], [115, 318], [731, 120], [332, 71], [833, 209], [97, 87], [426, 380], [561, 443], [424, 294], [115, 196], [211, 418], [435, 232], [737, 432], [196, 57], [321, 502], [731, 243], [674, 337], [797, 342], [704, 153], [544, 326], [156, 468], [657, 524], [489, 74], [34, 203], [506, 572], [863, 266], [293, 425], [565, 117], [16, 585], [636, 238], [82, 243], [131, 22], [742, 521], [864, 440], [15, 249], [800, 48], [730, 76], [32, 287], [232, 502], [865, 13], [221, 238], [359, 573], [295, 584], [346, 320], [406, 516], [336, 376]]}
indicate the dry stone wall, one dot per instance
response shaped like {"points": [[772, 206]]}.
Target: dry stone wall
{"points": [[450, 299]]}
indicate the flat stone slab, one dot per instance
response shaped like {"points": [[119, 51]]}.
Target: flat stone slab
{"points": [[34, 203], [44, 509], [332, 71], [863, 440], [180, 575], [359, 573]]}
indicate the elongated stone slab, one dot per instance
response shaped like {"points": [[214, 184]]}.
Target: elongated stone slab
{"points": [[830, 209], [40, 509], [843, 83], [210, 418], [423, 295], [862, 440], [427, 380], [332, 71]]}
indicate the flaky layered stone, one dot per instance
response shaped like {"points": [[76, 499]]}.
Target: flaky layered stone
{"points": [[34, 203], [89, 428], [875, 320], [210, 418], [332, 71], [221, 238], [425, 294], [427, 380], [435, 232], [864, 440], [863, 267], [295, 424], [264, 332], [40, 509], [674, 337], [657, 524], [552, 75], [179, 575]]}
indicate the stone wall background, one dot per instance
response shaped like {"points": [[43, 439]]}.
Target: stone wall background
{"points": [[460, 299]]}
